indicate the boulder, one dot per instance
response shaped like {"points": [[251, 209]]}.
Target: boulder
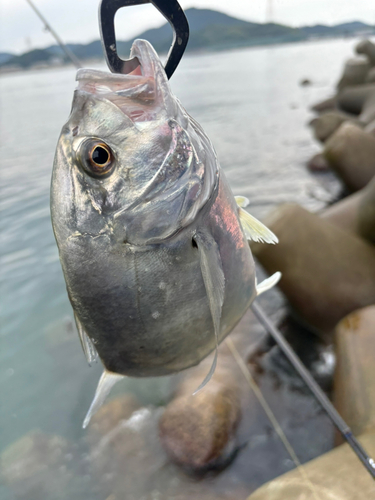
{"points": [[355, 72], [370, 127], [352, 99], [336, 475], [37, 466], [367, 48], [326, 105], [351, 153], [198, 430], [344, 213], [366, 213], [318, 163], [326, 272], [354, 381], [327, 123], [368, 110], [370, 78], [355, 213], [109, 416]]}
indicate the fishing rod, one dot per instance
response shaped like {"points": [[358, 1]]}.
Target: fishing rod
{"points": [[333, 414], [49, 28]]}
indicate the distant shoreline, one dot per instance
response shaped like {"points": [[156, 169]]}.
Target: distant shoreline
{"points": [[6, 70]]}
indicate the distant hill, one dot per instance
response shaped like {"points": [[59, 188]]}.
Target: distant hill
{"points": [[5, 56], [337, 30], [209, 30]]}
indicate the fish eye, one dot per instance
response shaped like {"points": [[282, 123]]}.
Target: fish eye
{"points": [[97, 158]]}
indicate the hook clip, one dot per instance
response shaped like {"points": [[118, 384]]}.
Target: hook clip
{"points": [[170, 9]]}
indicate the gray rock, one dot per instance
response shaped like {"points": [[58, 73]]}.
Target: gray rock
{"points": [[367, 48], [37, 467], [344, 213], [198, 431], [366, 213], [352, 99], [327, 123], [326, 272], [110, 415], [336, 475], [368, 110], [354, 381], [355, 72], [370, 127], [326, 105], [355, 213], [370, 78], [318, 163], [351, 153]]}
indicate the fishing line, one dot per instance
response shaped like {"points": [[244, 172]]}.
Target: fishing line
{"points": [[271, 416], [336, 418]]}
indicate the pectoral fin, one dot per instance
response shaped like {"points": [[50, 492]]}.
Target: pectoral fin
{"points": [[106, 382], [253, 228], [214, 282], [242, 201], [268, 283], [87, 345]]}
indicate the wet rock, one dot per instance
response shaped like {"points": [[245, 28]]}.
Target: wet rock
{"points": [[367, 48], [327, 123], [368, 110], [318, 163], [354, 383], [370, 127], [351, 153], [344, 214], [110, 414], [370, 78], [352, 99], [127, 457], [37, 466], [198, 430], [355, 213], [336, 475], [326, 105], [366, 213], [355, 72], [326, 272]]}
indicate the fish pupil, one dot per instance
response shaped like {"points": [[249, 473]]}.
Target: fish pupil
{"points": [[100, 155]]}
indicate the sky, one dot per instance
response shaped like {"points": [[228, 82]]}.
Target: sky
{"points": [[76, 21]]}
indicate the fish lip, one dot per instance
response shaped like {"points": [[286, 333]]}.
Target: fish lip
{"points": [[148, 62]]}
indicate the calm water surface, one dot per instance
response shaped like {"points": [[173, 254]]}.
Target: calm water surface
{"points": [[251, 105]]}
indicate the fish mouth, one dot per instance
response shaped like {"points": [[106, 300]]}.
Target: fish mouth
{"points": [[139, 94]]}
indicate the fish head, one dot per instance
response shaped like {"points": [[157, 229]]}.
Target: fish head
{"points": [[130, 162]]}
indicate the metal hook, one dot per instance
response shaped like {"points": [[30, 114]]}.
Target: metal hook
{"points": [[170, 9]]}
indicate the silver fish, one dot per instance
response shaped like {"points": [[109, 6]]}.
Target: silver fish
{"points": [[152, 242]]}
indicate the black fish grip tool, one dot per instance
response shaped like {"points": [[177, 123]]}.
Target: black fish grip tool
{"points": [[170, 9]]}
